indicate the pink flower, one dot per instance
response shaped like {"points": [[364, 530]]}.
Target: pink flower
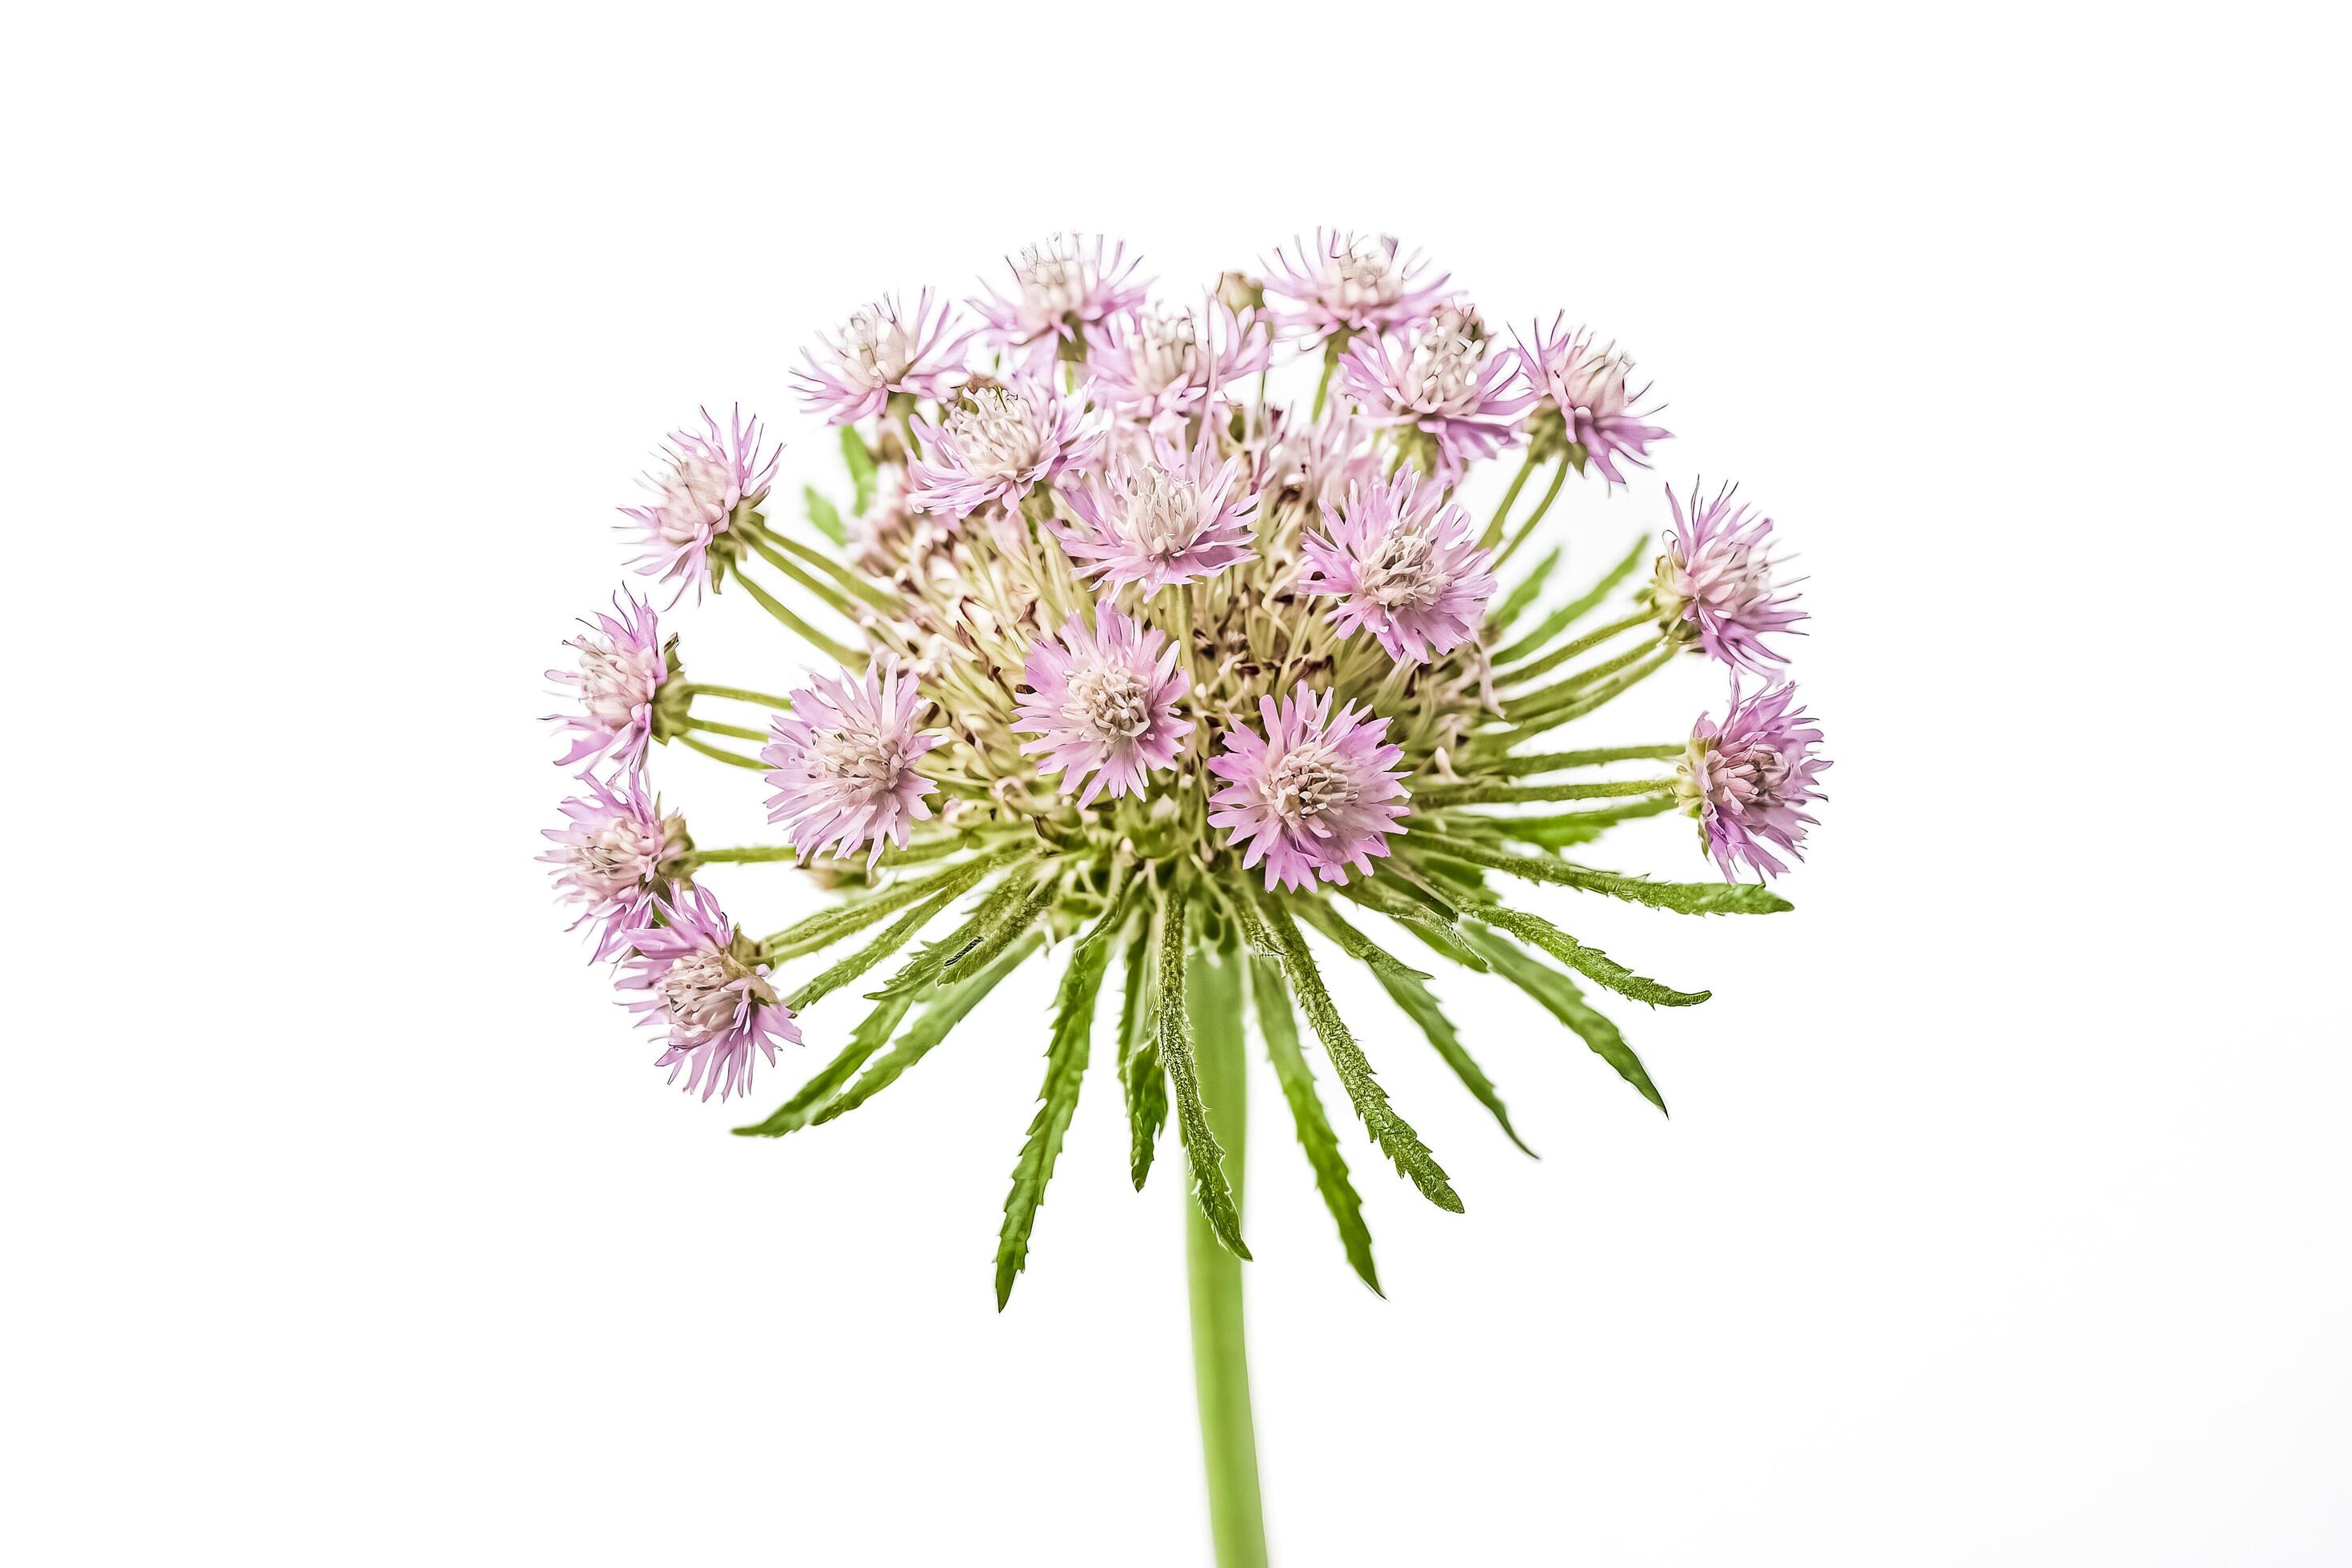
{"points": [[608, 857], [1445, 381], [713, 478], [1315, 795], [1744, 778], [1163, 519], [877, 355], [1405, 565], [622, 665], [1155, 366], [1064, 289], [1715, 585], [704, 982], [1587, 386], [1320, 461], [1103, 702], [998, 444], [843, 761], [1348, 284]]}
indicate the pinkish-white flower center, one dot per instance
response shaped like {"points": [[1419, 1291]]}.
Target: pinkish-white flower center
{"points": [[1730, 580], [996, 436], [697, 500], [1447, 357], [1713, 777], [1166, 350], [1164, 514], [1307, 785], [619, 857], [1112, 701], [1590, 381], [701, 992], [860, 760], [1053, 280], [615, 681], [876, 347], [1402, 572], [1362, 272]]}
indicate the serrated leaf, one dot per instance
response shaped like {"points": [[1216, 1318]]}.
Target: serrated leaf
{"points": [[1683, 897], [1559, 996], [849, 969], [1488, 792], [824, 515], [1420, 1003], [1141, 1079], [1319, 914], [1065, 1066], [929, 965], [1394, 1135], [1590, 962], [1558, 832], [1173, 1030], [868, 1037], [861, 469], [1567, 614], [1280, 1029], [827, 927], [1524, 594], [1415, 918], [927, 1032]]}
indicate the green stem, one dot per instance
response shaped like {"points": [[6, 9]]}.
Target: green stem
{"points": [[1219, 1354], [736, 731], [1488, 540], [1331, 349], [751, 852], [1584, 643], [1558, 477], [724, 755], [739, 694], [817, 639]]}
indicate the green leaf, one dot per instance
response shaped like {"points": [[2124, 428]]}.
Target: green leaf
{"points": [[849, 969], [1319, 914], [1280, 1029], [1567, 614], [1515, 603], [1683, 897], [865, 1040], [1041, 888], [861, 469], [1484, 792], [1590, 962], [824, 515], [1065, 1066], [1592, 757], [1435, 931], [1567, 828], [1174, 1033], [1394, 1135], [928, 967], [927, 1032], [1560, 997], [828, 926], [1141, 1077]]}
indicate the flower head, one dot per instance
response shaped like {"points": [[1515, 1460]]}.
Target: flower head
{"points": [[708, 481], [1587, 385], [1443, 382], [1715, 586], [705, 982], [1404, 564], [997, 445], [1159, 365], [609, 857], [1163, 519], [878, 355], [1744, 778], [843, 761], [1317, 459], [622, 665], [1315, 794], [1103, 703], [1062, 288], [1350, 284]]}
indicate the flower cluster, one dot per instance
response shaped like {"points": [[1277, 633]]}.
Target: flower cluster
{"points": [[1112, 647]]}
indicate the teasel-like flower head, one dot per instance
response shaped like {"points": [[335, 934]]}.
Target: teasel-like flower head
{"points": [[707, 482], [996, 445], [1102, 703], [704, 984], [1064, 287], [1746, 777], [1586, 387], [881, 352], [616, 853], [1162, 366], [843, 763], [1348, 283], [1170, 517], [623, 665], [1715, 586], [1314, 795], [1405, 567], [1445, 381]]}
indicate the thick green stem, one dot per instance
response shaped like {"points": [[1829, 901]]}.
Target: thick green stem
{"points": [[1558, 477], [1331, 351], [1220, 1356], [1493, 535], [741, 694]]}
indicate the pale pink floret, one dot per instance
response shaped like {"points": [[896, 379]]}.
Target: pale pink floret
{"points": [[1587, 384], [705, 984], [1103, 702], [1318, 460], [1744, 778], [706, 477], [1160, 366], [1315, 794], [610, 855], [1064, 289], [1167, 517], [843, 761], [622, 666], [1405, 564], [1715, 582], [1347, 283], [881, 352], [1446, 380], [996, 445]]}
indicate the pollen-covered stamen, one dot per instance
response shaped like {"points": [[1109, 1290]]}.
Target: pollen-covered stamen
{"points": [[1111, 701], [1308, 783], [703, 992], [997, 435]]}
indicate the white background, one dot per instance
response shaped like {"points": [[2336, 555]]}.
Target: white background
{"points": [[2002, 1215]]}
